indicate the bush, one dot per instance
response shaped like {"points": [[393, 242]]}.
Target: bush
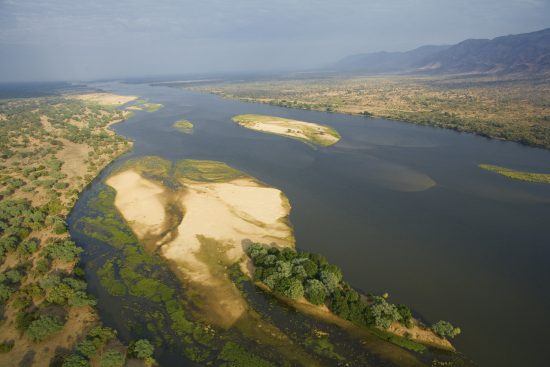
{"points": [[87, 348], [65, 250], [290, 287], [383, 314], [315, 292], [142, 349], [445, 329], [112, 358], [329, 279], [43, 327], [75, 360]]}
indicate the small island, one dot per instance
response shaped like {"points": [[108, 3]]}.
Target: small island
{"points": [[184, 126], [518, 175], [142, 105], [307, 132]]}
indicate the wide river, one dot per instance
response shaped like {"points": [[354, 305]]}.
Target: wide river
{"points": [[400, 208]]}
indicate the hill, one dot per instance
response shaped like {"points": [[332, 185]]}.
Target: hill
{"points": [[521, 53]]}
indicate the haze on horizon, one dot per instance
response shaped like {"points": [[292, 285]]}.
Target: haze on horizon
{"points": [[82, 40]]}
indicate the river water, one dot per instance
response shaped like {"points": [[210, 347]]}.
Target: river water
{"points": [[400, 208]]}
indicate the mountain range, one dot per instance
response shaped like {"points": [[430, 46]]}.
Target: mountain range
{"points": [[520, 53]]}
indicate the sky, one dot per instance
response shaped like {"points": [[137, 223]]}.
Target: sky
{"points": [[93, 39]]}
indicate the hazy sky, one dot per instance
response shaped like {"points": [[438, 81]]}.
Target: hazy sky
{"points": [[76, 39]]}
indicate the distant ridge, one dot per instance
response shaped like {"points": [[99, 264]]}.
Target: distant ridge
{"points": [[521, 53]]}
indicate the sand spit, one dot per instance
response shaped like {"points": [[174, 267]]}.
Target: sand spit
{"points": [[106, 99], [217, 218], [140, 201], [305, 131]]}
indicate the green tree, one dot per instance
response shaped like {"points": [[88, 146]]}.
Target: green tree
{"points": [[143, 349], [445, 329], [315, 291], [75, 360], [43, 327], [112, 358]]}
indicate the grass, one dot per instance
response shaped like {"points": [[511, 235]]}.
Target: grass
{"points": [[184, 126], [206, 171], [518, 175], [314, 133]]}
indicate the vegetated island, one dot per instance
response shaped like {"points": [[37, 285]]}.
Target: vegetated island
{"points": [[517, 175], [143, 105], [170, 206], [50, 149], [184, 126], [304, 131]]}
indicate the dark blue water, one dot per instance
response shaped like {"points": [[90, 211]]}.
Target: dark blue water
{"points": [[400, 208]]}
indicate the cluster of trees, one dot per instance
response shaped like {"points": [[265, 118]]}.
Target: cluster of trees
{"points": [[301, 274], [96, 346]]}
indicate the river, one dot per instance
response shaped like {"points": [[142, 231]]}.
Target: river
{"points": [[400, 208]]}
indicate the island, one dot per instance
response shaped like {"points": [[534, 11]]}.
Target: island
{"points": [[307, 132], [169, 208], [184, 126], [143, 105], [518, 175]]}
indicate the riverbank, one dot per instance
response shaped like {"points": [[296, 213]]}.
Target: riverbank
{"points": [[58, 145], [510, 108]]}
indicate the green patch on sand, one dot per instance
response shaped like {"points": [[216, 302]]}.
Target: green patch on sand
{"points": [[518, 175], [184, 126], [307, 132], [206, 171]]}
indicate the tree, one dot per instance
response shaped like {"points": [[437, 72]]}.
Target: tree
{"points": [[329, 279], [445, 329], [87, 348], [142, 349], [112, 358], [290, 287], [43, 327], [406, 315], [75, 360], [382, 314], [315, 292]]}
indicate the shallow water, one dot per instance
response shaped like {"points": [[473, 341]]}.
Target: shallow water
{"points": [[400, 208]]}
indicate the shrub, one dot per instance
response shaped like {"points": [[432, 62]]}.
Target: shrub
{"points": [[75, 360], [65, 250], [142, 349], [382, 314], [290, 287], [445, 329], [315, 292], [329, 279], [87, 348], [112, 358], [43, 327], [406, 315]]}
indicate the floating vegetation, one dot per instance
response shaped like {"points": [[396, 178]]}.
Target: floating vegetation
{"points": [[518, 175]]}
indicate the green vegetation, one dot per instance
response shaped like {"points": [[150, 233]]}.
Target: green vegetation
{"points": [[307, 132], [445, 329], [112, 358], [206, 171], [518, 175], [184, 126], [295, 274], [142, 349], [43, 327], [131, 271], [234, 355], [512, 108], [50, 148]]}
